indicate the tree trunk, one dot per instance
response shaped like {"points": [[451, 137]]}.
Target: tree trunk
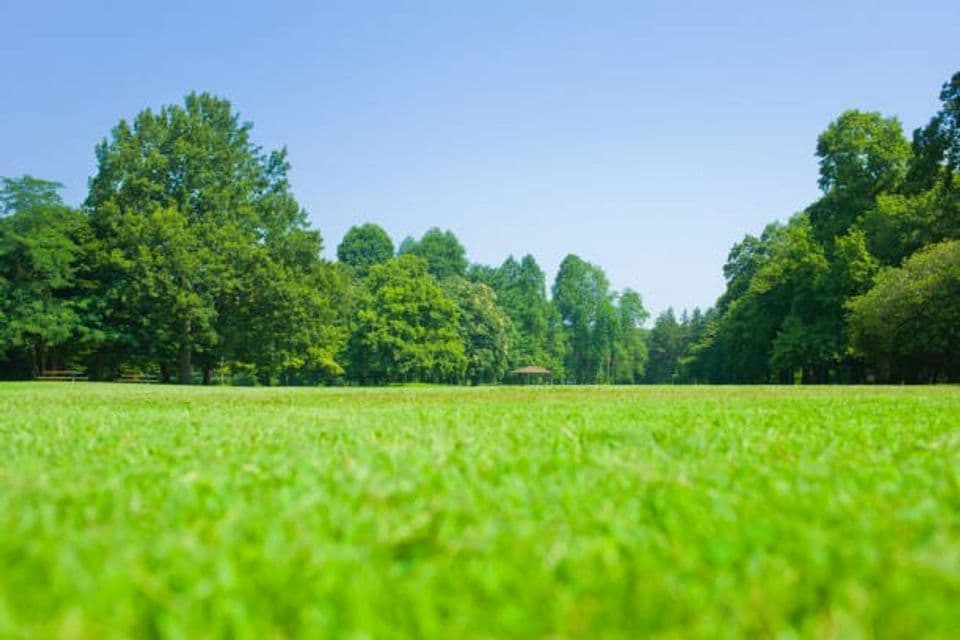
{"points": [[184, 365], [95, 366], [42, 356], [184, 356]]}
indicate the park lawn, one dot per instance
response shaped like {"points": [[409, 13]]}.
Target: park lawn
{"points": [[152, 511]]}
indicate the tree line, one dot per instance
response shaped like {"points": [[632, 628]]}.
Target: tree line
{"points": [[862, 285], [191, 260]]}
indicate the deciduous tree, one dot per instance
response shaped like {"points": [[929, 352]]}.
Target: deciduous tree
{"points": [[406, 329], [43, 304], [364, 246], [182, 204]]}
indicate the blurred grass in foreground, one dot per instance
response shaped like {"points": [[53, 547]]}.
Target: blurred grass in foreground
{"points": [[490, 513]]}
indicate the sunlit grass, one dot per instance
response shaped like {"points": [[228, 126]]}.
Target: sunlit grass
{"points": [[140, 511]]}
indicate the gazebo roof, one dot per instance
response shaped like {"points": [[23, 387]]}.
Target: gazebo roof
{"points": [[530, 370]]}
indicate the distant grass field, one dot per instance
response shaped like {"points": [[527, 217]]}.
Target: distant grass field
{"points": [[139, 511]]}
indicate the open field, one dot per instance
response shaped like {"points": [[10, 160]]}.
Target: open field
{"points": [[508, 512]]}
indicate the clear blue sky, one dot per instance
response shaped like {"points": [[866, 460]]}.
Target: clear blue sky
{"points": [[645, 137]]}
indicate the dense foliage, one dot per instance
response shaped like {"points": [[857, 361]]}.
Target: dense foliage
{"points": [[191, 260], [860, 286]]}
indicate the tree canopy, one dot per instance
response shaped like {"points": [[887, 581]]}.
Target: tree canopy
{"points": [[43, 311], [192, 260], [828, 296], [443, 252], [907, 322], [196, 234], [364, 246], [406, 328]]}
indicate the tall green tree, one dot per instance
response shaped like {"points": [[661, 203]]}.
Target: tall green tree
{"points": [[484, 329], [936, 147], [406, 329], [779, 318], [443, 252], [927, 209], [861, 156], [793, 289], [535, 323], [743, 261], [43, 299], [665, 344], [734, 344], [297, 310], [630, 352], [28, 194], [364, 246], [583, 298], [183, 202], [908, 322]]}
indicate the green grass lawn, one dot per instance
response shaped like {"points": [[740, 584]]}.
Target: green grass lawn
{"points": [[143, 511]]}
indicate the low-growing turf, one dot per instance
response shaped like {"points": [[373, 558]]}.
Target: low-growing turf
{"points": [[139, 511]]}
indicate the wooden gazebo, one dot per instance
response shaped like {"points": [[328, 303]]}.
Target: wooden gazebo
{"points": [[532, 374]]}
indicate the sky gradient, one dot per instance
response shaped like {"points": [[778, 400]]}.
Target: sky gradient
{"points": [[644, 137]]}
